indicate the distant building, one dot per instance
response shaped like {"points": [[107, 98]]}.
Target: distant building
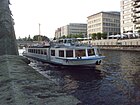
{"points": [[130, 16], [72, 29], [136, 15], [127, 24], [58, 33], [104, 22]]}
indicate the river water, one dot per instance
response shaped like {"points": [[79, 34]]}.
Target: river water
{"points": [[115, 82]]}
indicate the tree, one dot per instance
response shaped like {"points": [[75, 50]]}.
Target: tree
{"points": [[63, 37], [19, 39], [139, 31], [54, 38], [25, 39], [69, 36], [40, 38], [99, 35], [29, 38], [93, 36], [36, 38], [104, 35]]}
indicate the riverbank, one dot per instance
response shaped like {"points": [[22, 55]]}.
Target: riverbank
{"points": [[115, 44], [120, 48], [22, 85]]}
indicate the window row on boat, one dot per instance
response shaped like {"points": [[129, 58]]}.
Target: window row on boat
{"points": [[38, 51], [65, 52], [73, 53]]}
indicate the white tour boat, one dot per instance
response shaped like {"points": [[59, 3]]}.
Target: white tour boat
{"points": [[66, 53]]}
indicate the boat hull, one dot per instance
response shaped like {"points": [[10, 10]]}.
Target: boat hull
{"points": [[66, 62]]}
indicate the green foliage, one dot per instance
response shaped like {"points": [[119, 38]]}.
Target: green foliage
{"points": [[29, 38], [104, 35], [93, 36], [35, 38], [72, 36], [99, 36], [54, 38], [138, 31], [40, 38]]}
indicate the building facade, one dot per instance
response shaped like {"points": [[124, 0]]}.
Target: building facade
{"points": [[136, 15], [104, 22], [130, 16], [127, 24], [72, 29], [58, 33]]}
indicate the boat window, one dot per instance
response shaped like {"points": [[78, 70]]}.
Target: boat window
{"points": [[91, 52], [65, 41], [69, 53], [38, 51], [45, 52], [52, 52], [60, 41], [61, 53], [35, 50], [28, 50], [42, 51], [80, 53], [99, 52]]}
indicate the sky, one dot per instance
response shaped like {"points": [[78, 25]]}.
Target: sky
{"points": [[52, 14]]}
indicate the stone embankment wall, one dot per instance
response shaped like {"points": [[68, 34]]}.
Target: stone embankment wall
{"points": [[114, 44], [22, 85]]}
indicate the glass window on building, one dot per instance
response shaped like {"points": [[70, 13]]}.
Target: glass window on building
{"points": [[91, 52], [69, 53], [61, 53], [80, 53]]}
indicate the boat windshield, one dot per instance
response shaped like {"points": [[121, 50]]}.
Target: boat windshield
{"points": [[91, 52], [80, 53], [69, 53]]}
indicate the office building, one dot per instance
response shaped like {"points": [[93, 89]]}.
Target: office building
{"points": [[136, 15], [72, 29], [104, 22], [130, 16]]}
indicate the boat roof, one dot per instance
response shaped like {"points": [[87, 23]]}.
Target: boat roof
{"points": [[74, 47], [67, 44]]}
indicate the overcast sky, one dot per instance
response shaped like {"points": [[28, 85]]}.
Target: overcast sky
{"points": [[52, 14]]}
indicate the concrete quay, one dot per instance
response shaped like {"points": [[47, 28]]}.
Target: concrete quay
{"points": [[115, 44], [22, 85]]}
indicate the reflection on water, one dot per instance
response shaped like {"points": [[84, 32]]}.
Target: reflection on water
{"points": [[116, 81]]}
